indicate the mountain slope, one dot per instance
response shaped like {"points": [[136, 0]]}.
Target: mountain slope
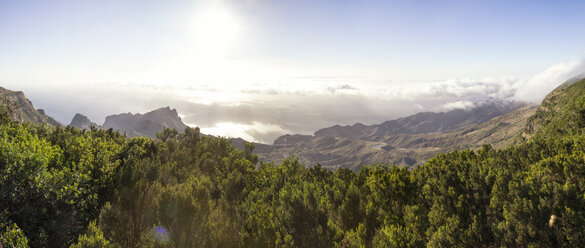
{"points": [[561, 113], [407, 141], [22, 110], [424, 122]]}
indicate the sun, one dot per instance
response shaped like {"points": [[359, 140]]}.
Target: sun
{"points": [[215, 30], [214, 34]]}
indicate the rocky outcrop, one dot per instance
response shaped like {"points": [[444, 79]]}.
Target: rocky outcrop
{"points": [[148, 124], [22, 110], [82, 122]]}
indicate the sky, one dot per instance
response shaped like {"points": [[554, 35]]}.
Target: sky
{"points": [[258, 69]]}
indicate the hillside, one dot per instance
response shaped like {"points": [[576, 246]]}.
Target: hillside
{"points": [[406, 141], [424, 122], [22, 110], [561, 113]]}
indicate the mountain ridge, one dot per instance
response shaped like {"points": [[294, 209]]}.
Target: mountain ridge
{"points": [[22, 110], [407, 141], [560, 112], [423, 122], [147, 124]]}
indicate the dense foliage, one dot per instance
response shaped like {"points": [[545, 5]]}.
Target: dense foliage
{"points": [[66, 187]]}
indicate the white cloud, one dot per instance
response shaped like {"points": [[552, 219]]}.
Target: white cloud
{"points": [[458, 105], [536, 88], [345, 88], [263, 111]]}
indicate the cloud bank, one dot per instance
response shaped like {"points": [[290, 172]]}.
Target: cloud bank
{"points": [[261, 112], [536, 88]]}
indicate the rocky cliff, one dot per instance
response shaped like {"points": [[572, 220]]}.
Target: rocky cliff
{"points": [[145, 124], [22, 110], [82, 122]]}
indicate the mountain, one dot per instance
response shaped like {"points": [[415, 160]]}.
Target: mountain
{"points": [[425, 122], [561, 113], [22, 110], [148, 124], [82, 122], [406, 141]]}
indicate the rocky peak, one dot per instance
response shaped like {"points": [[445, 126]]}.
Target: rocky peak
{"points": [[82, 122], [147, 124], [22, 110]]}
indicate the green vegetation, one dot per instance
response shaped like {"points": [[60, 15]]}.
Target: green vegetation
{"points": [[66, 187]]}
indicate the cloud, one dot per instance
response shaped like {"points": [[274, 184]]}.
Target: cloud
{"points": [[536, 88], [263, 111], [342, 88], [302, 114], [305, 110], [459, 105], [455, 88]]}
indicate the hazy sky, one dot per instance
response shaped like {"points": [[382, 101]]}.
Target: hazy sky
{"points": [[261, 68]]}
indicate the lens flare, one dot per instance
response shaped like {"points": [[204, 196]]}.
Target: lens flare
{"points": [[160, 234]]}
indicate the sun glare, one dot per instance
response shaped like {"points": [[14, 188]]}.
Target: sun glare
{"points": [[215, 31]]}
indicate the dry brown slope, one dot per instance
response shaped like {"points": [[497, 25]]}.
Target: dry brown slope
{"points": [[402, 149]]}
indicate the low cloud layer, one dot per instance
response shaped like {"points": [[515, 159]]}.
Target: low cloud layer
{"points": [[262, 112], [458, 105], [535, 88]]}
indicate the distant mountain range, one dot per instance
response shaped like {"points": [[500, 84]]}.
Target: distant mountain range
{"points": [[407, 141]]}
